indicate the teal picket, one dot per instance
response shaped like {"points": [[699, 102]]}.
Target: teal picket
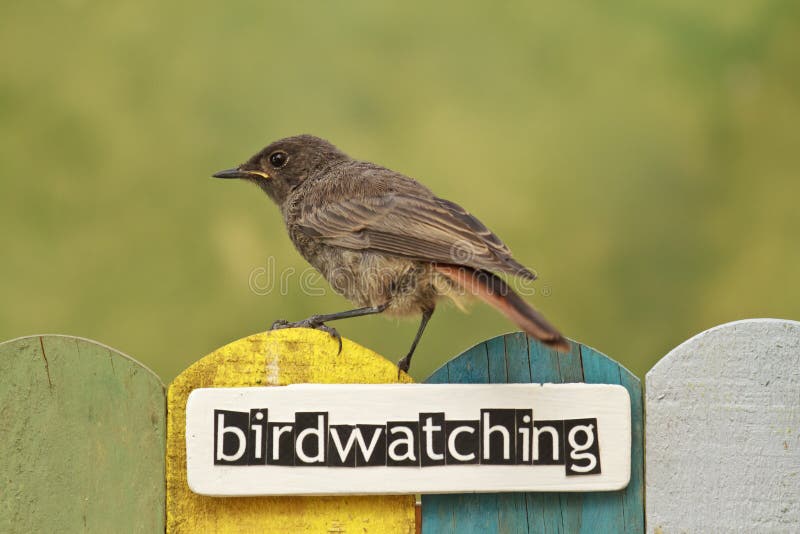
{"points": [[515, 358]]}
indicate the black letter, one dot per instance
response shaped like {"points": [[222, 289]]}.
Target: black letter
{"points": [[257, 446], [281, 444], [583, 449], [524, 435], [463, 442], [370, 445], [497, 437], [402, 443], [342, 446], [311, 430], [431, 439], [548, 443], [230, 437]]}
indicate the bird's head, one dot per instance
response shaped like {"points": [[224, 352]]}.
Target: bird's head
{"points": [[285, 164]]}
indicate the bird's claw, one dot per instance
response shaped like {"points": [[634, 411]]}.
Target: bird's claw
{"points": [[403, 366], [309, 323], [280, 323], [333, 333]]}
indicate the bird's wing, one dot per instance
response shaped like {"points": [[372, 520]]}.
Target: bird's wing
{"points": [[420, 227]]}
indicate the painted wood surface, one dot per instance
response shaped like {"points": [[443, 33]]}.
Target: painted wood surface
{"points": [[723, 431], [82, 431], [514, 358], [278, 358]]}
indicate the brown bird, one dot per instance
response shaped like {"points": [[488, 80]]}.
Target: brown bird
{"points": [[385, 241]]}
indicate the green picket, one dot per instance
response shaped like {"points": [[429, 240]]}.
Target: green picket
{"points": [[82, 433]]}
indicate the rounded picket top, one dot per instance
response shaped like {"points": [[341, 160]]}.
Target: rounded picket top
{"points": [[82, 438], [723, 431], [275, 358], [517, 358]]}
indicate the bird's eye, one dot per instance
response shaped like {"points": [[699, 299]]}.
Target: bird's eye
{"points": [[278, 159]]}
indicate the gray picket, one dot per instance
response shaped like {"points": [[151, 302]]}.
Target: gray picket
{"points": [[723, 431]]}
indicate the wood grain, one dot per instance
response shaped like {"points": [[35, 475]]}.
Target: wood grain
{"points": [[517, 358], [81, 438], [723, 431], [278, 358]]}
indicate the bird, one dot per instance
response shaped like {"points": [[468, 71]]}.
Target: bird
{"points": [[384, 241]]}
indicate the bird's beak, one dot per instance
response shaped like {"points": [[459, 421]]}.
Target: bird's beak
{"points": [[240, 173]]}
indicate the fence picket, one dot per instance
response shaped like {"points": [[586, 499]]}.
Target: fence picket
{"points": [[723, 431], [514, 358], [81, 438], [278, 358]]}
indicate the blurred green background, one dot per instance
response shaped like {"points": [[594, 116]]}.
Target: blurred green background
{"points": [[643, 158]]}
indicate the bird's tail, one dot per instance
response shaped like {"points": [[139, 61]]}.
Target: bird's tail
{"points": [[493, 290]]}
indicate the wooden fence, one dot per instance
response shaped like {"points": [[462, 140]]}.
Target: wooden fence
{"points": [[91, 442]]}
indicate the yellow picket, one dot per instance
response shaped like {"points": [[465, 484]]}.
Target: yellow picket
{"points": [[275, 358]]}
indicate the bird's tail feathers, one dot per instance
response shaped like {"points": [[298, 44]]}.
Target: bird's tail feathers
{"points": [[494, 291]]}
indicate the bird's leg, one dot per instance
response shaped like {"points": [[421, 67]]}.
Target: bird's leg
{"points": [[405, 363], [318, 321]]}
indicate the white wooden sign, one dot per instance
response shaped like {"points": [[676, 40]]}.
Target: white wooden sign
{"points": [[320, 439]]}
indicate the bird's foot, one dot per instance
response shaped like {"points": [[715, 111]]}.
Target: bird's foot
{"points": [[403, 365], [311, 322]]}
